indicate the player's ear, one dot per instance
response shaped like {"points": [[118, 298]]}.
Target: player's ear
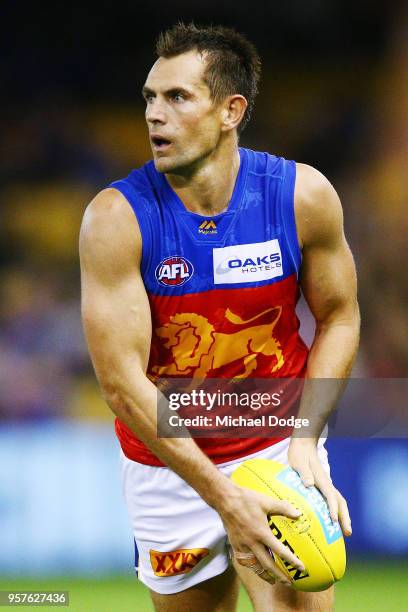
{"points": [[232, 112]]}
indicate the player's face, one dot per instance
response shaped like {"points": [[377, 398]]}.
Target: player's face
{"points": [[184, 122]]}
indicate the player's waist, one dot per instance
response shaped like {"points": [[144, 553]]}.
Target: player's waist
{"points": [[219, 450]]}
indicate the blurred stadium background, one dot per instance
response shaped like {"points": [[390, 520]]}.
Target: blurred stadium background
{"points": [[335, 95]]}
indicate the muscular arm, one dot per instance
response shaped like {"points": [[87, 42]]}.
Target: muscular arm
{"points": [[328, 277], [328, 281], [117, 323]]}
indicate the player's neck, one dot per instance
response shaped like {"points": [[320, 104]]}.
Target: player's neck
{"points": [[209, 190]]}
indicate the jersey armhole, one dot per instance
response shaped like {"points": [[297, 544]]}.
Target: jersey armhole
{"points": [[288, 213], [139, 208]]}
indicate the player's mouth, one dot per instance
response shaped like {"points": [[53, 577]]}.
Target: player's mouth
{"points": [[159, 143]]}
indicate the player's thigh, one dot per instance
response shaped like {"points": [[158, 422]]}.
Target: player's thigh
{"points": [[279, 598], [285, 599], [219, 594]]}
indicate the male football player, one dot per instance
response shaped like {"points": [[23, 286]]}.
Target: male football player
{"points": [[191, 267]]}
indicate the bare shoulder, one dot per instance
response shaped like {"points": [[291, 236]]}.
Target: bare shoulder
{"points": [[319, 215], [109, 214], [110, 234]]}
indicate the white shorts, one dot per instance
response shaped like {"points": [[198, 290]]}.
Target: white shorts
{"points": [[180, 540]]}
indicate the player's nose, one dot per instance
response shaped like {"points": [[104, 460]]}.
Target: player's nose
{"points": [[155, 112]]}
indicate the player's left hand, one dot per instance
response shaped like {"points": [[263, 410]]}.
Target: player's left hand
{"points": [[303, 457]]}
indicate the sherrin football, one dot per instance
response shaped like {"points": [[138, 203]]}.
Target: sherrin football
{"points": [[313, 537]]}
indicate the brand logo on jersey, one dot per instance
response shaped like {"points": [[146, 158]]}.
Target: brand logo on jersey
{"points": [[207, 227], [174, 271], [180, 561], [247, 263]]}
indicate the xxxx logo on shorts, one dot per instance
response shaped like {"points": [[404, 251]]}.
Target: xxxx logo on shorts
{"points": [[176, 562]]}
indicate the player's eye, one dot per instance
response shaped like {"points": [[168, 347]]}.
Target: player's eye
{"points": [[148, 96], [178, 97]]}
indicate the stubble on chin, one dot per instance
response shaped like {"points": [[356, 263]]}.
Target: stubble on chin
{"points": [[166, 165], [163, 165]]}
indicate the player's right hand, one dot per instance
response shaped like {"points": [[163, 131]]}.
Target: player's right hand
{"points": [[244, 514]]}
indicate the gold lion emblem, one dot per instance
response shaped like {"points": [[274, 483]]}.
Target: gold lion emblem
{"points": [[197, 348]]}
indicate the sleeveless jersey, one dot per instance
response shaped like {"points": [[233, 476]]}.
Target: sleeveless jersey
{"points": [[222, 289]]}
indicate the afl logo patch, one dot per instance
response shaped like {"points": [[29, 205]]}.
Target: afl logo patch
{"points": [[174, 271]]}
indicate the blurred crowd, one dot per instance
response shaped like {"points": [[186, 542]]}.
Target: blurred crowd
{"points": [[58, 155]]}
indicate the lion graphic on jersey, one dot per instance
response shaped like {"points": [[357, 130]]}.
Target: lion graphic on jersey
{"points": [[197, 348]]}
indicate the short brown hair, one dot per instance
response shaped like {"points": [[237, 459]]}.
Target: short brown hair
{"points": [[233, 63]]}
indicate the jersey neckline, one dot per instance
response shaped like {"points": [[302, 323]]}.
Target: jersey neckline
{"points": [[234, 203]]}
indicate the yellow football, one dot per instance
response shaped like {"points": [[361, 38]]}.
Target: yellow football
{"points": [[313, 537]]}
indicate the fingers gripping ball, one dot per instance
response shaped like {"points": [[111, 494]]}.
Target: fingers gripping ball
{"points": [[313, 538]]}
